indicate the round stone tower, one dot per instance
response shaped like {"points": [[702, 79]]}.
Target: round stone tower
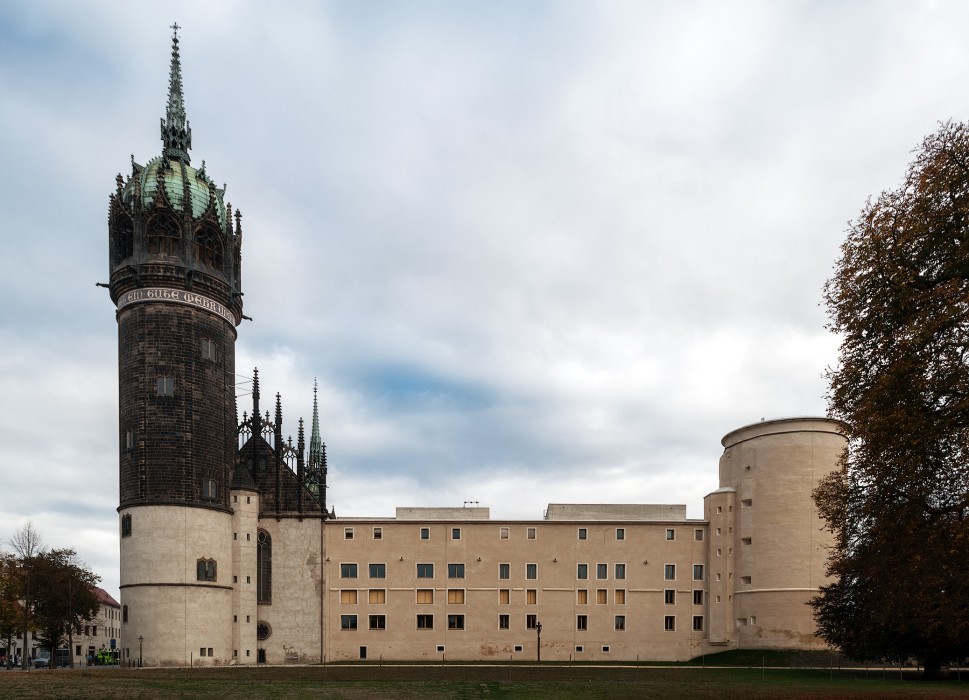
{"points": [[769, 544], [175, 264]]}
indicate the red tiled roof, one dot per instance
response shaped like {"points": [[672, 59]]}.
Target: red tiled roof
{"points": [[104, 597]]}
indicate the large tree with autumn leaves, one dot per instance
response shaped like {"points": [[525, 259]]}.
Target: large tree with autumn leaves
{"points": [[899, 504]]}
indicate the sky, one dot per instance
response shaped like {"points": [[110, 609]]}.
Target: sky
{"points": [[532, 252]]}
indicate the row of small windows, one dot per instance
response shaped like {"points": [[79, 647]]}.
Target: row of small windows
{"points": [[457, 621], [504, 533], [456, 596], [426, 570]]}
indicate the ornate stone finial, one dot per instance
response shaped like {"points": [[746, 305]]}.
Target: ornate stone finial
{"points": [[176, 133], [256, 418], [316, 444], [279, 414]]}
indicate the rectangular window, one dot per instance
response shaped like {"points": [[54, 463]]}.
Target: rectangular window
{"points": [[620, 596], [425, 596], [348, 533], [582, 571], [746, 503], [209, 489], [620, 533], [455, 533], [425, 533], [165, 386], [348, 597], [698, 572], [208, 349], [378, 622], [455, 570], [669, 623], [504, 622], [745, 540], [602, 596], [504, 571], [348, 622], [377, 596], [698, 535], [455, 596], [582, 597], [425, 571], [205, 570], [425, 622], [671, 534], [531, 571], [531, 596], [531, 533], [126, 525], [669, 572], [348, 570], [583, 533], [582, 622], [698, 623], [698, 597], [669, 596], [378, 571], [602, 571], [620, 571], [504, 596], [531, 621], [129, 440], [620, 623], [455, 622], [745, 579], [378, 533], [503, 533], [579, 648]]}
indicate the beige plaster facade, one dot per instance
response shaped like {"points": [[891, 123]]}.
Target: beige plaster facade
{"points": [[605, 581]]}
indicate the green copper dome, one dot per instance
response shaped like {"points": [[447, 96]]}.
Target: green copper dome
{"points": [[186, 189]]}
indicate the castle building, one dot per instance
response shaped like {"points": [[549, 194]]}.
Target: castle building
{"points": [[230, 556]]}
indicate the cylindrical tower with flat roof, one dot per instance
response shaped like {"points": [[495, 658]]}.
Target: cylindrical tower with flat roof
{"points": [[772, 544]]}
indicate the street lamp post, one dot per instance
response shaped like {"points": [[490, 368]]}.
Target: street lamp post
{"points": [[538, 630], [140, 647]]}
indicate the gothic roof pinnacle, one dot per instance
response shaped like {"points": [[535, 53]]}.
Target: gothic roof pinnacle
{"points": [[176, 133]]}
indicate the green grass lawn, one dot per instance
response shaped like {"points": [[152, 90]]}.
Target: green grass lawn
{"points": [[357, 682]]}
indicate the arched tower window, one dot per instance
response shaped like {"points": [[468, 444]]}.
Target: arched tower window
{"points": [[163, 234], [264, 568], [208, 247], [205, 570], [123, 233]]}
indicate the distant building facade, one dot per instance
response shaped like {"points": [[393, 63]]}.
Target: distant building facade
{"points": [[230, 556]]}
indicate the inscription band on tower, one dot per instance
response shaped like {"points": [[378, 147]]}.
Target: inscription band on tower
{"points": [[178, 296]]}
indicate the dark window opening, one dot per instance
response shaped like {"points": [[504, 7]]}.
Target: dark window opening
{"points": [[264, 568], [205, 570]]}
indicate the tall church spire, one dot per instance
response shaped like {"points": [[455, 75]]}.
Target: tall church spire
{"points": [[176, 133], [316, 443]]}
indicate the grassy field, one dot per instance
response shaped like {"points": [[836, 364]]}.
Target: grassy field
{"points": [[357, 682]]}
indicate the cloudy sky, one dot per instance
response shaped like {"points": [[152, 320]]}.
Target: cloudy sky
{"points": [[533, 252]]}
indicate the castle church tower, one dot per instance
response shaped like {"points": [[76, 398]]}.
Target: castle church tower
{"points": [[175, 278]]}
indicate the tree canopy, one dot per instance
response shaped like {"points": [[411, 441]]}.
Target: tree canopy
{"points": [[45, 590], [898, 505]]}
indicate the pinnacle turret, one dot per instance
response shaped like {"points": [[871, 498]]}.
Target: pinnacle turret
{"points": [[176, 133], [316, 442]]}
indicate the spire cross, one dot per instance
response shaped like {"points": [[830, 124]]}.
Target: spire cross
{"points": [[175, 131]]}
